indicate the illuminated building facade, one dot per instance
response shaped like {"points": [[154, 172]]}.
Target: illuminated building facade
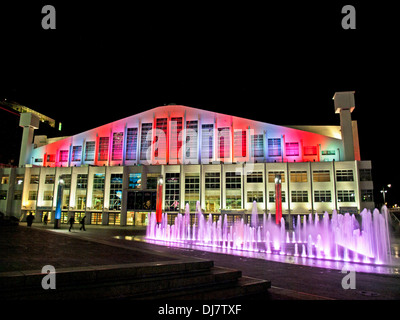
{"points": [[110, 173]]}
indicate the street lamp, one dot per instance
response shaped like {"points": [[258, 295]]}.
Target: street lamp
{"points": [[384, 191], [57, 215], [160, 183], [278, 199]]}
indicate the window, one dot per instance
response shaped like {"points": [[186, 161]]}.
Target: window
{"points": [[233, 185], [223, 143], [328, 152], [213, 202], [365, 175], [34, 179], [172, 191], [160, 139], [321, 176], [344, 175], [145, 141], [47, 195], [233, 201], [299, 196], [135, 181], [131, 143], [298, 176], [98, 191], [32, 195], [272, 174], [212, 180], [176, 139], [51, 158], [17, 194], [257, 141], [49, 179], [322, 196], [191, 139], [76, 153], [80, 201], [233, 180], [96, 218], [19, 179], [81, 185], [90, 150], [114, 218], [115, 191], [98, 181], [4, 179], [67, 180], [255, 196], [152, 180], [240, 143], [292, 148], [367, 195], [274, 147], [141, 200], [346, 196], [192, 189], [271, 196], [103, 149], [310, 150], [63, 156], [81, 182], [212, 191], [118, 140], [207, 134], [3, 194], [254, 177]]}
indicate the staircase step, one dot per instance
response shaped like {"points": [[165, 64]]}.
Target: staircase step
{"points": [[244, 287], [185, 280]]}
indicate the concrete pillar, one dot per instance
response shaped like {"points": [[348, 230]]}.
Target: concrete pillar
{"points": [[29, 122], [344, 105]]}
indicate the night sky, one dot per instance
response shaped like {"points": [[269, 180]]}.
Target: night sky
{"points": [[279, 63]]}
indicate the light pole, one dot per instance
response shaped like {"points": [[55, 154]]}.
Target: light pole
{"points": [[278, 199], [384, 191], [160, 183], [57, 215]]}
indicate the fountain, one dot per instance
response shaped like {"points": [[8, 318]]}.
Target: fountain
{"points": [[339, 237]]}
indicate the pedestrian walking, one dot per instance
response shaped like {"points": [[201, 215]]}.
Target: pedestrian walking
{"points": [[71, 222], [45, 218], [82, 224], [29, 219]]}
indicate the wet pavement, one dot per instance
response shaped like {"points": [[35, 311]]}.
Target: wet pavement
{"points": [[113, 245], [24, 248]]}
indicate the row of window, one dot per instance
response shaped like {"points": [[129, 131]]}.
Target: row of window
{"points": [[211, 178], [146, 200], [87, 152]]}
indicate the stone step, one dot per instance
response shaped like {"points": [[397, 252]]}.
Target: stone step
{"points": [[168, 279], [243, 288]]}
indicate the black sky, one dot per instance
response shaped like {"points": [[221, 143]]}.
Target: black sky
{"points": [[279, 63]]}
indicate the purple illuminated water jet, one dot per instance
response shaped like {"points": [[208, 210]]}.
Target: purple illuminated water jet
{"points": [[339, 237]]}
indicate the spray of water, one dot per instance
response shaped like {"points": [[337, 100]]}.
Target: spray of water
{"points": [[339, 237]]}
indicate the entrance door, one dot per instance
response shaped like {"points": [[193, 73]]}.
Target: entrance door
{"points": [[48, 214]]}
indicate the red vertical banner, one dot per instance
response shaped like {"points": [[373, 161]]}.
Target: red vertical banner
{"points": [[159, 199], [278, 199]]}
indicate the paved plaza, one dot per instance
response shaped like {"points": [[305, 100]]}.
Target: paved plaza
{"points": [[23, 248]]}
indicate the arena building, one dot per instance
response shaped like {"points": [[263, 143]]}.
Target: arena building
{"points": [[109, 174]]}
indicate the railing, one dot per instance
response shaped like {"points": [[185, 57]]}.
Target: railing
{"points": [[5, 165]]}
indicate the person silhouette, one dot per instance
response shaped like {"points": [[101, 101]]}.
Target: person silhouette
{"points": [[83, 224], [45, 218], [71, 222], [29, 219]]}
